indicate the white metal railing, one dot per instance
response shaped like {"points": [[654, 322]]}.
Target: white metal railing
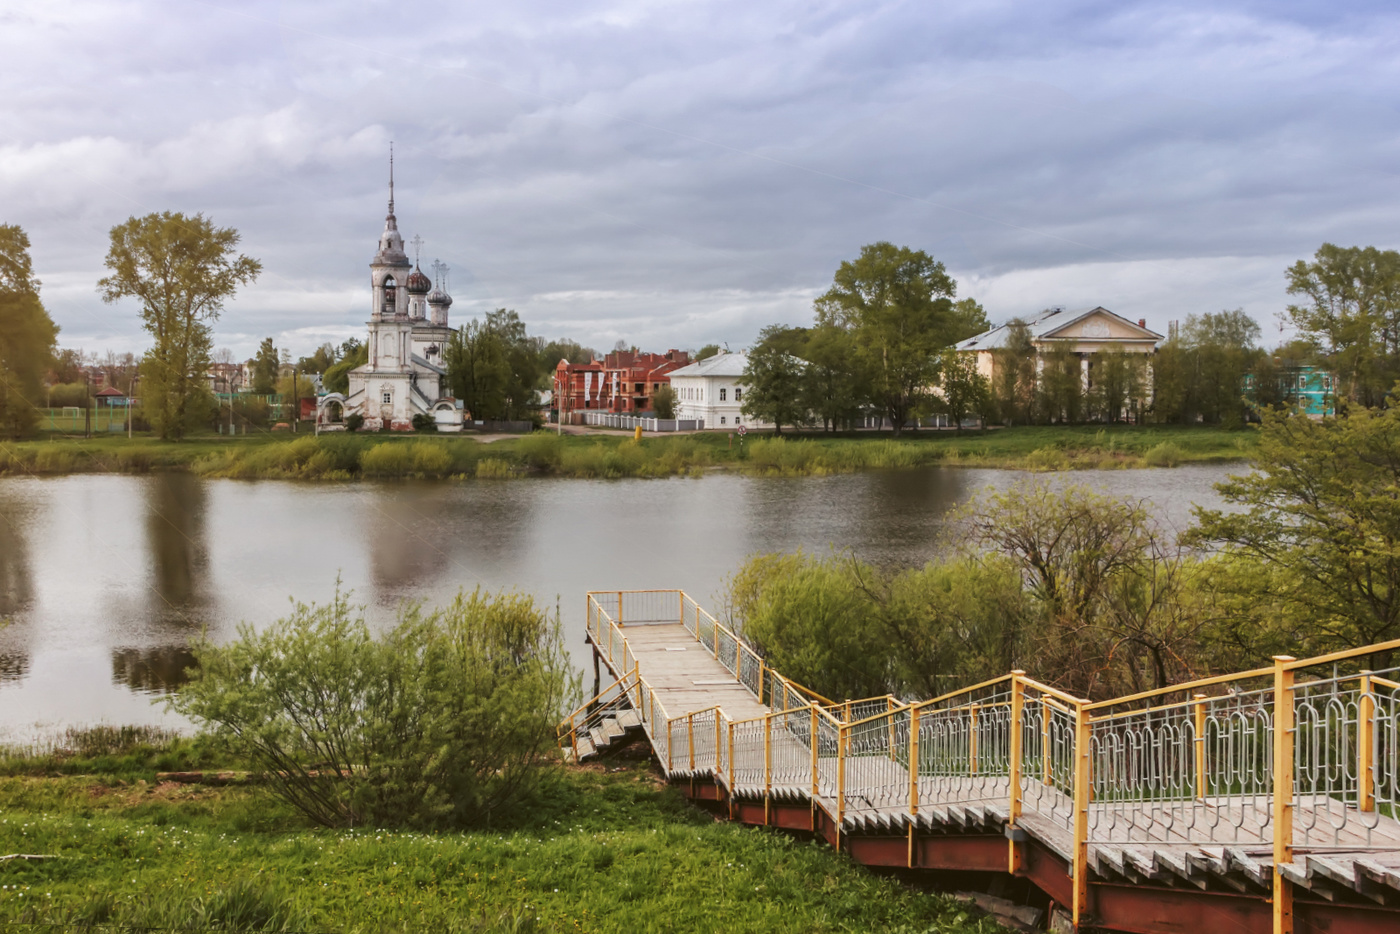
{"points": [[1299, 754]]}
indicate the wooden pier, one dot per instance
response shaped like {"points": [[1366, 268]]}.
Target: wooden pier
{"points": [[1259, 801]]}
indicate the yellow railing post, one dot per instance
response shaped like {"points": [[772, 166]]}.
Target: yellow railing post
{"points": [[816, 751], [690, 735], [680, 613], [738, 662], [715, 627], [670, 746], [1365, 746], [762, 668], [619, 608], [1018, 700], [1199, 712], [913, 778], [913, 761], [1081, 815], [1283, 792]]}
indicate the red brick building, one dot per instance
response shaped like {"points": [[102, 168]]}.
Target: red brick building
{"points": [[624, 381]]}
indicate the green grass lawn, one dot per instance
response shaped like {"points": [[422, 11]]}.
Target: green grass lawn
{"points": [[346, 456], [604, 849]]}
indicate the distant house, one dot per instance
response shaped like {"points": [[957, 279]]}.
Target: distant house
{"points": [[713, 392], [111, 398], [623, 382], [1311, 388], [1083, 332]]}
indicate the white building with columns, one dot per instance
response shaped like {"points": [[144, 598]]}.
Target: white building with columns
{"points": [[408, 331]]}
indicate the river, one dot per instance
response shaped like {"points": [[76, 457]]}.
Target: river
{"points": [[104, 579]]}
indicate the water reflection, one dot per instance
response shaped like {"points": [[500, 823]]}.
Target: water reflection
{"points": [[175, 533], [156, 670], [13, 667], [16, 576], [108, 578]]}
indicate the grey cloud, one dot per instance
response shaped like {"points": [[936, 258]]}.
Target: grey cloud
{"points": [[673, 173]]}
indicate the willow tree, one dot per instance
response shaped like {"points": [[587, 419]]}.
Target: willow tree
{"points": [[27, 335], [182, 269]]}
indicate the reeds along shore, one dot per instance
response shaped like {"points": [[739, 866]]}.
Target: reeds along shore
{"points": [[354, 456]]}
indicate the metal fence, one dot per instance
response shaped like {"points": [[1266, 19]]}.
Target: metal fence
{"points": [[629, 422], [1304, 753]]}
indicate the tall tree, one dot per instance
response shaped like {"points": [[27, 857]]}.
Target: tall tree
{"points": [[27, 335], [1315, 527], [182, 269], [898, 304], [1352, 308], [1118, 384], [965, 391], [265, 368], [1013, 374], [495, 367], [1062, 385], [832, 382], [773, 378]]}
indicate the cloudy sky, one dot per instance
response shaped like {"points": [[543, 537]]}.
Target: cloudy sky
{"points": [[675, 173]]}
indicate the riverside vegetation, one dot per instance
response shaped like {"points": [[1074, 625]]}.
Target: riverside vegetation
{"points": [[353, 456], [400, 782]]}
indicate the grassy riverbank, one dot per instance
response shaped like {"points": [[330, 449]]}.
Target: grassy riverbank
{"points": [[345, 456], [606, 849]]}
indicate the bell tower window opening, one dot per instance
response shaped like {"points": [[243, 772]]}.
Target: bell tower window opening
{"points": [[390, 290]]}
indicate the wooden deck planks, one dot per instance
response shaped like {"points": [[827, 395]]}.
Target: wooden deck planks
{"points": [[1184, 837]]}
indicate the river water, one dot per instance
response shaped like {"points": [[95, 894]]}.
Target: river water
{"points": [[104, 579]]}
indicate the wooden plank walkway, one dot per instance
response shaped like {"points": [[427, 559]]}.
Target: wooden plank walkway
{"points": [[1217, 843], [685, 676]]}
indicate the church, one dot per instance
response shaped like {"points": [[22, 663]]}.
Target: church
{"points": [[408, 332]]}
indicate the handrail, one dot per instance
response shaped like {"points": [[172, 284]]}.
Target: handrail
{"points": [[1102, 775]]}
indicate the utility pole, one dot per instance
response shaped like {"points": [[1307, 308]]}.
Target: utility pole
{"points": [[296, 403], [87, 411]]}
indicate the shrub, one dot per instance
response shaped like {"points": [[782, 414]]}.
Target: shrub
{"points": [[1165, 454], [424, 422], [492, 468], [354, 421], [388, 459], [431, 459], [444, 720]]}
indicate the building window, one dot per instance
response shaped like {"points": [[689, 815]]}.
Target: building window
{"points": [[721, 394], [738, 393], [721, 419], [386, 397], [736, 420]]}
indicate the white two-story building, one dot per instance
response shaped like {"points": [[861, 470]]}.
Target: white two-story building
{"points": [[712, 390]]}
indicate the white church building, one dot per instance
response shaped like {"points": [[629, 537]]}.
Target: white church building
{"points": [[408, 332]]}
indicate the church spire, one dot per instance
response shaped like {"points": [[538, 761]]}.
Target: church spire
{"points": [[391, 178]]}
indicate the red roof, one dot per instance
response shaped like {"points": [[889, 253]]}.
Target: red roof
{"points": [[110, 391]]}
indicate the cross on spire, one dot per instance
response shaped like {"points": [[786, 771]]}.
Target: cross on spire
{"points": [[417, 242]]}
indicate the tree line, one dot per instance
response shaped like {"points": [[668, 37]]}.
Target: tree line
{"points": [[1094, 596], [881, 343]]}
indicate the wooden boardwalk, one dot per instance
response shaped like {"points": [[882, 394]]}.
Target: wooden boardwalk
{"points": [[1173, 801]]}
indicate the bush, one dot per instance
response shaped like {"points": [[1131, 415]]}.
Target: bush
{"points": [[444, 720], [1165, 454], [389, 459], [354, 421], [424, 422]]}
